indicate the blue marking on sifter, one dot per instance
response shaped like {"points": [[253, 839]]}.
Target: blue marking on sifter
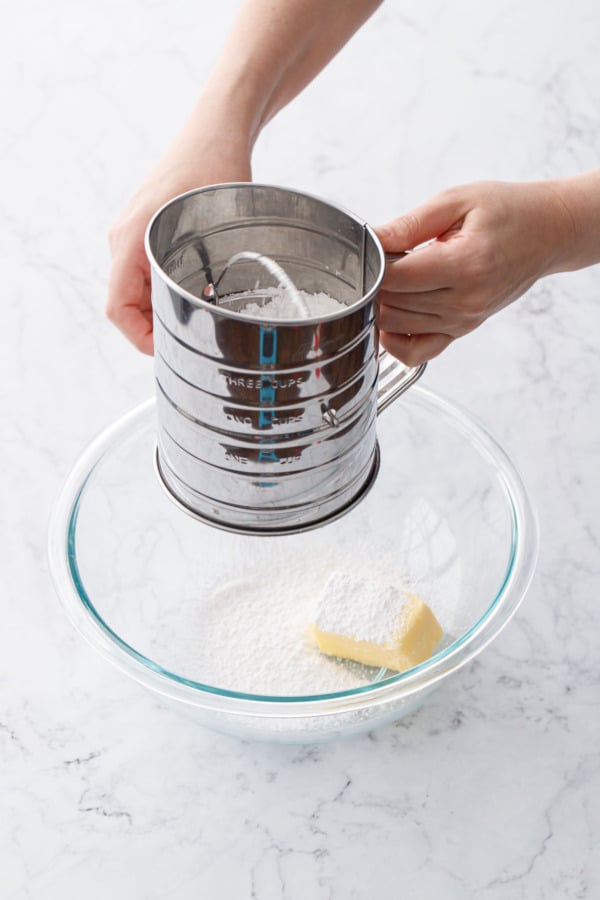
{"points": [[267, 357]]}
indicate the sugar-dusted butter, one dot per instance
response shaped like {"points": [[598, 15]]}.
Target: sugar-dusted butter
{"points": [[373, 623]]}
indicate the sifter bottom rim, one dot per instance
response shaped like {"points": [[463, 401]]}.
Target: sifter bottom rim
{"points": [[298, 528]]}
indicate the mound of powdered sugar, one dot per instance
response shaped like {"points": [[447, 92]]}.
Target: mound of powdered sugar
{"points": [[252, 634], [283, 306], [252, 640]]}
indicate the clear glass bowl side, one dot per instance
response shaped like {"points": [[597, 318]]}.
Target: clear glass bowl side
{"points": [[93, 543]]}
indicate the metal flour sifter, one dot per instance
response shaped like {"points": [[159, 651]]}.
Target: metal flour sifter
{"points": [[266, 427]]}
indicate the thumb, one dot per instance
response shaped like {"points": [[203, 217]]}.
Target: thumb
{"points": [[423, 223]]}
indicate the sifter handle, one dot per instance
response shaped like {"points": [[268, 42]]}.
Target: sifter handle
{"points": [[394, 378]]}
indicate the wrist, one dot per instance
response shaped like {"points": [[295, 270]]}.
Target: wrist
{"points": [[224, 111], [577, 205], [218, 135], [239, 100], [561, 224]]}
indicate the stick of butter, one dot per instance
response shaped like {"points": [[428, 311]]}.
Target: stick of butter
{"points": [[373, 623]]}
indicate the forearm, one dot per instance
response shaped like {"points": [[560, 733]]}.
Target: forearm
{"points": [[579, 198], [274, 49]]}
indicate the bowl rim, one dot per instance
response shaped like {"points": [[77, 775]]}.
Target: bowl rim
{"points": [[87, 621]]}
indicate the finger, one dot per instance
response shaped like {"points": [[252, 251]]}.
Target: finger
{"points": [[415, 349], [129, 305], [429, 268], [424, 222], [403, 321], [137, 328], [434, 303], [451, 312]]}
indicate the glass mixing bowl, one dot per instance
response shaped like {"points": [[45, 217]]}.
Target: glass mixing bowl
{"points": [[217, 623]]}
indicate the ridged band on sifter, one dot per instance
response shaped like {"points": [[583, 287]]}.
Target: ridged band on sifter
{"points": [[275, 528], [265, 426]]}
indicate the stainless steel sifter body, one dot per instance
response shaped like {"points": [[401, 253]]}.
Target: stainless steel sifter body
{"points": [[266, 426]]}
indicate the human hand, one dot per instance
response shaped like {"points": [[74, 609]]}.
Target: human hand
{"points": [[213, 156], [488, 243], [250, 82]]}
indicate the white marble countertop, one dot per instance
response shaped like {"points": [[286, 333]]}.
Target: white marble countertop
{"points": [[491, 791]]}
